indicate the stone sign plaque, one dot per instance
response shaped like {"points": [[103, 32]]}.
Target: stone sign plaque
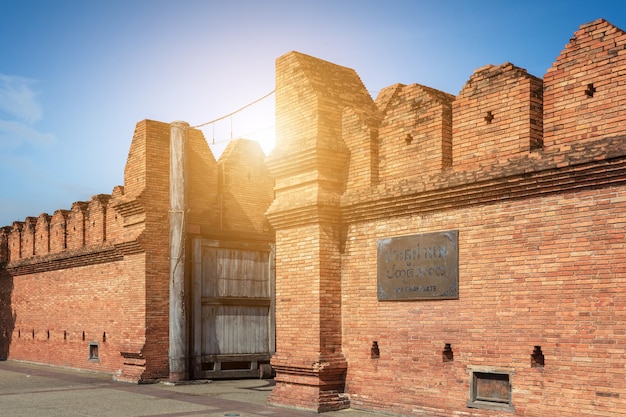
{"points": [[419, 267]]}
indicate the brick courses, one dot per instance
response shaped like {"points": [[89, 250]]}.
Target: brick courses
{"points": [[99, 273], [535, 187], [540, 219], [584, 88], [415, 135], [496, 116], [310, 177]]}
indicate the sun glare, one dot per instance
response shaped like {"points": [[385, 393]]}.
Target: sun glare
{"points": [[265, 136], [254, 123]]}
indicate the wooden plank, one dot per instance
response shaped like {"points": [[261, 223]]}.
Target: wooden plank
{"points": [[196, 308], [235, 273], [233, 298], [252, 246], [236, 358], [231, 374], [237, 301], [234, 329]]}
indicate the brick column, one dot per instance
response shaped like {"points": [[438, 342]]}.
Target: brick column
{"points": [[310, 368], [309, 165], [4, 245]]}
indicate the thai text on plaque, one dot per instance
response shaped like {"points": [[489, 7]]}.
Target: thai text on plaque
{"points": [[419, 267]]}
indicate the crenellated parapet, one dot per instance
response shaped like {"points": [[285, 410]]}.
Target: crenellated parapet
{"points": [[496, 116], [58, 231], [415, 135], [584, 89], [64, 233], [76, 225], [417, 160], [42, 234], [417, 141]]}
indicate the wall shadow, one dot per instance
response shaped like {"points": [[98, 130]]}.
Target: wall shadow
{"points": [[7, 315]]}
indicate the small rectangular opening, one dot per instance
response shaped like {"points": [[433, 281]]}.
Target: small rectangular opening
{"points": [[490, 390], [232, 366], [208, 366], [93, 352], [537, 360], [492, 387]]}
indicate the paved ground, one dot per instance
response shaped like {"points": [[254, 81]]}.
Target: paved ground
{"points": [[36, 390]]}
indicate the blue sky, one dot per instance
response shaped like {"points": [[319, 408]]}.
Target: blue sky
{"points": [[76, 76]]}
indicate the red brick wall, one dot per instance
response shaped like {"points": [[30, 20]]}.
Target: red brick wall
{"points": [[246, 187], [540, 236], [52, 310], [416, 131], [539, 271], [84, 271], [150, 149], [541, 241], [496, 116], [584, 95], [102, 268]]}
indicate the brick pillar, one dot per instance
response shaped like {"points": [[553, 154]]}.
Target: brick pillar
{"points": [[310, 165], [310, 368], [4, 245]]}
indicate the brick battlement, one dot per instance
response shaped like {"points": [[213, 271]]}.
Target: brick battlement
{"points": [[110, 223], [97, 275], [529, 173], [416, 139], [503, 122], [82, 227], [416, 134]]}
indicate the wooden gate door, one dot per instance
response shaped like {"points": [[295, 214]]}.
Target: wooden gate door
{"points": [[233, 309]]}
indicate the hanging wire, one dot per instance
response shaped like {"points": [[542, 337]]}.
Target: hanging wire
{"points": [[235, 112], [243, 135], [240, 109]]}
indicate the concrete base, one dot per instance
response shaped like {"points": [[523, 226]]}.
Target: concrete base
{"points": [[178, 377]]}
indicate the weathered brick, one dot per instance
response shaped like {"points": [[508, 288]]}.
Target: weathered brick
{"points": [[540, 239], [536, 194], [99, 273]]}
